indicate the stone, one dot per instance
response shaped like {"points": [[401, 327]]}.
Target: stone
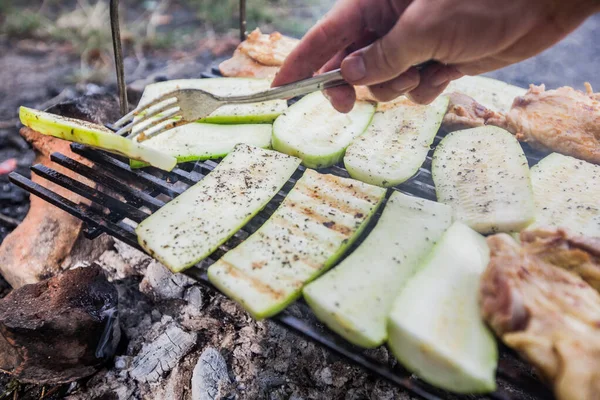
{"points": [[210, 376], [60, 329], [160, 356]]}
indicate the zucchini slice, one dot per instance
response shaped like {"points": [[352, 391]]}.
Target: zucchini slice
{"points": [[435, 328], [396, 143], [354, 299], [231, 114], [93, 135], [307, 234], [318, 134], [566, 192], [193, 225], [197, 141], [483, 174], [491, 93]]}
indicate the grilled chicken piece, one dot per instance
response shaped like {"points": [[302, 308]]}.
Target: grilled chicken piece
{"points": [[268, 49], [464, 113], [564, 120], [547, 314], [578, 254], [261, 55]]}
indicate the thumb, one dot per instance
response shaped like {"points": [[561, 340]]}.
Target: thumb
{"points": [[405, 45]]}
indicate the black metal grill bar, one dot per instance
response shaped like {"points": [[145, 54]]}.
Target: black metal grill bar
{"points": [[137, 198], [110, 171], [81, 211], [125, 233], [122, 168], [89, 192]]}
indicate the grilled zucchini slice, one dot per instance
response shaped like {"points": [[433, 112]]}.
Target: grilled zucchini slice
{"points": [[197, 222], [435, 328], [566, 192], [198, 141], [93, 135], [354, 299], [491, 93], [307, 234], [483, 174], [316, 132], [396, 142], [264, 112]]}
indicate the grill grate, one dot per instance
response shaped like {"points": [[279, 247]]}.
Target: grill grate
{"points": [[118, 206]]}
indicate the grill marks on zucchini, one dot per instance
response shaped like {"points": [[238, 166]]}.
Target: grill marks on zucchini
{"points": [[354, 299], [567, 194], [193, 225], [314, 131], [483, 174], [396, 142], [315, 224]]}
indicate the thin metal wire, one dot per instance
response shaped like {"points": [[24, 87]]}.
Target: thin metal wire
{"points": [[118, 50], [242, 20]]}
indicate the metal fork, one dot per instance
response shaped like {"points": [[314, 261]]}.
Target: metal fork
{"points": [[184, 106]]}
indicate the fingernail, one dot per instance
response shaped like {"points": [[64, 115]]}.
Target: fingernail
{"points": [[354, 68]]}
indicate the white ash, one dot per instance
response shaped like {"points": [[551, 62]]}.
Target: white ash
{"points": [[160, 283], [210, 378], [257, 360], [160, 356]]}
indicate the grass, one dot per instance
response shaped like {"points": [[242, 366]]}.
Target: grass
{"points": [[84, 24]]}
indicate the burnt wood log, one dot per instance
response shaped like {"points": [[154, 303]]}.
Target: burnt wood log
{"points": [[60, 329], [41, 245]]}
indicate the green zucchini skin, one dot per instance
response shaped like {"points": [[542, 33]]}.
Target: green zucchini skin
{"points": [[93, 135], [354, 298], [312, 228], [193, 225], [396, 142], [312, 130], [435, 328]]}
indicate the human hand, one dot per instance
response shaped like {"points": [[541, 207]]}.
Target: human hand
{"points": [[378, 42]]}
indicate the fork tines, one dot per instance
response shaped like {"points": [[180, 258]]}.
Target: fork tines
{"points": [[165, 107]]}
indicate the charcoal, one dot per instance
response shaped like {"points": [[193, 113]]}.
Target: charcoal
{"points": [[98, 108], [60, 329]]}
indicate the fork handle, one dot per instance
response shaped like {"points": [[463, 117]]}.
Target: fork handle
{"points": [[319, 82]]}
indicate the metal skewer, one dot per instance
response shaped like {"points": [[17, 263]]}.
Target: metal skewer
{"points": [[118, 50], [242, 20]]}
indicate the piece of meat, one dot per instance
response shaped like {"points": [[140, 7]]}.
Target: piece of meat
{"points": [[464, 113], [261, 55], [547, 314], [266, 49], [242, 66], [578, 254], [564, 120]]}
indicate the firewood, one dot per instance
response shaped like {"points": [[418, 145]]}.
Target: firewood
{"points": [[60, 329]]}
